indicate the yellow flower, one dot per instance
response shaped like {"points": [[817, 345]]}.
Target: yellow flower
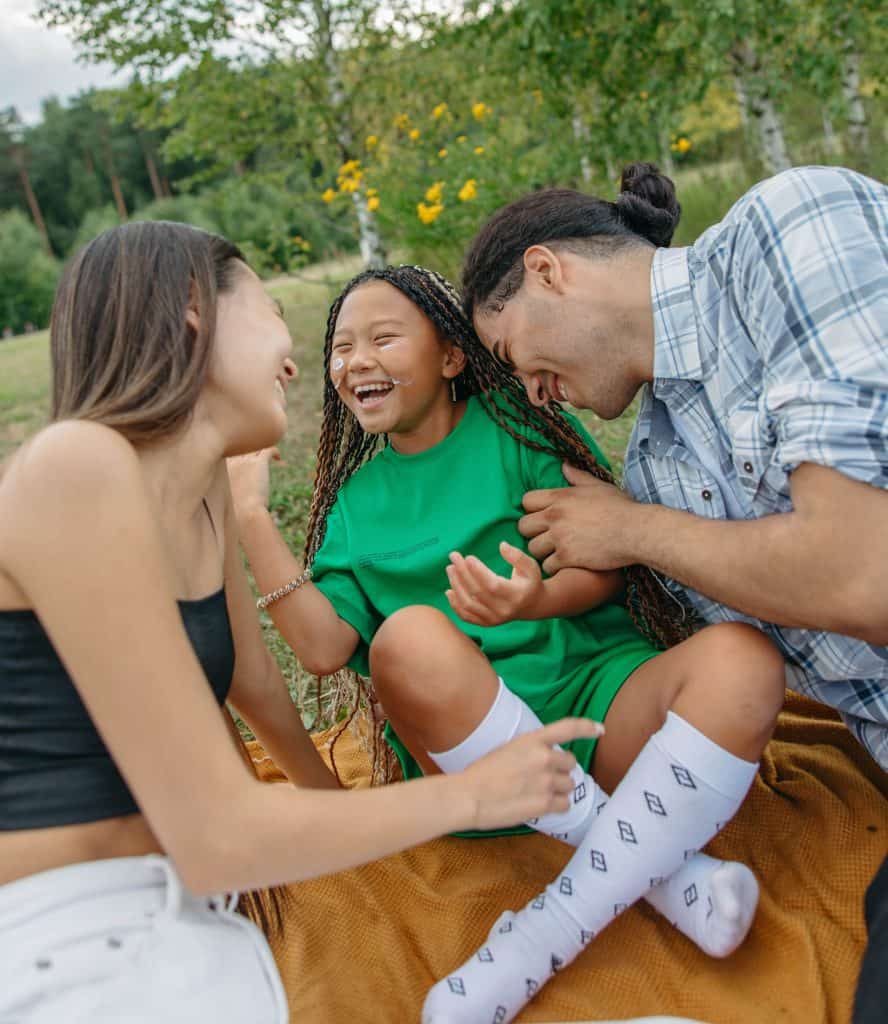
{"points": [[442, 153], [427, 214], [328, 196], [372, 192], [401, 121], [414, 134], [480, 111], [643, 94], [460, 139], [350, 175], [373, 203], [435, 192], [439, 111], [682, 145], [479, 150], [371, 141], [468, 191]]}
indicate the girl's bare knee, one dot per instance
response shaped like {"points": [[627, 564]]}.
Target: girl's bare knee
{"points": [[750, 669], [405, 641]]}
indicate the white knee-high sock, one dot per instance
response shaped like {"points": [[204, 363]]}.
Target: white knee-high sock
{"points": [[680, 791], [509, 716], [710, 901]]}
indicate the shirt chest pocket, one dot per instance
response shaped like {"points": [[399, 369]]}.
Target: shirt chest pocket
{"points": [[753, 442]]}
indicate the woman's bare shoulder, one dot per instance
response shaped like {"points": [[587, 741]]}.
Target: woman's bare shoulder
{"points": [[67, 468], [64, 454]]}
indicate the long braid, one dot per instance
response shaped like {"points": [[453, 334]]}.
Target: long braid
{"points": [[344, 447]]}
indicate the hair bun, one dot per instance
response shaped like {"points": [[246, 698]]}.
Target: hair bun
{"points": [[647, 203]]}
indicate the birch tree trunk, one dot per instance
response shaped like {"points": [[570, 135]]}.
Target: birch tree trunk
{"points": [[581, 135], [369, 239], [762, 111], [742, 99], [830, 139], [858, 132], [667, 164]]}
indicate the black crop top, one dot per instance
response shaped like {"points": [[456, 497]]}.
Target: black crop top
{"points": [[54, 767]]}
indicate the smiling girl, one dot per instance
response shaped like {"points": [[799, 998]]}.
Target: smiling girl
{"points": [[416, 575]]}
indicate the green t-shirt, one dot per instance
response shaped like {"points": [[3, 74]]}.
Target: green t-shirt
{"points": [[387, 545]]}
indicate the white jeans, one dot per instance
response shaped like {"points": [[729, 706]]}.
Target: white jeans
{"points": [[121, 940]]}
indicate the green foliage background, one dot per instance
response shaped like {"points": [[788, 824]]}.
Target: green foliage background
{"points": [[241, 118]]}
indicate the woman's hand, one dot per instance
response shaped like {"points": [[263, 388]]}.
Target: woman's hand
{"points": [[248, 477], [527, 777], [478, 595]]}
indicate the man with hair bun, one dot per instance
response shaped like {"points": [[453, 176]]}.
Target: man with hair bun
{"points": [[756, 475]]}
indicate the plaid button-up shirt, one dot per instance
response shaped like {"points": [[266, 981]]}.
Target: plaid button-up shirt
{"points": [[771, 349]]}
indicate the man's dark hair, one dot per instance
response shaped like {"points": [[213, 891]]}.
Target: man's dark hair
{"points": [[646, 212]]}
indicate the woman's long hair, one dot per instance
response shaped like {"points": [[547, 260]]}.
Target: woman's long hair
{"points": [[122, 351], [345, 446]]}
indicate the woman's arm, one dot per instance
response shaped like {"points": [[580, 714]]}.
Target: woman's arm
{"points": [[78, 536], [321, 640]]}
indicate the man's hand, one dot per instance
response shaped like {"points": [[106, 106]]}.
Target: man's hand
{"points": [[584, 525], [478, 595]]}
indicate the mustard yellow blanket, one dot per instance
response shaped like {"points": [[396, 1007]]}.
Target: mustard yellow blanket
{"points": [[365, 945]]}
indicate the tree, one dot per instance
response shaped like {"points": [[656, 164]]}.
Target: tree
{"points": [[309, 38], [12, 137]]}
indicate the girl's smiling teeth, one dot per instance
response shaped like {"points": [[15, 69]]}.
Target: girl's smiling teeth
{"points": [[372, 394]]}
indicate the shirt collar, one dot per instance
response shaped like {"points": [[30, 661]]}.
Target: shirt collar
{"points": [[676, 342]]}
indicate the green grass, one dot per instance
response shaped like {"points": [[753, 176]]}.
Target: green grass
{"points": [[24, 387]]}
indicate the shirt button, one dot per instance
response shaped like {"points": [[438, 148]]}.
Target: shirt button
{"points": [[707, 495], [747, 466]]}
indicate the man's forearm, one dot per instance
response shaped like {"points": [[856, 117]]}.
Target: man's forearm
{"points": [[780, 568]]}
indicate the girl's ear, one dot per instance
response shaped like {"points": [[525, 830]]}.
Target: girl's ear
{"points": [[454, 361]]}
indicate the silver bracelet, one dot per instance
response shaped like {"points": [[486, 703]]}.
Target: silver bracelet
{"points": [[287, 588]]}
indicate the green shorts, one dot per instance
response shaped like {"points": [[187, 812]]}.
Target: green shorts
{"points": [[582, 694]]}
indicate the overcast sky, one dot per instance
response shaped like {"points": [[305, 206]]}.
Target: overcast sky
{"points": [[36, 62]]}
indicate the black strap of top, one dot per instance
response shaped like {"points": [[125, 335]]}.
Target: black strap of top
{"points": [[210, 517]]}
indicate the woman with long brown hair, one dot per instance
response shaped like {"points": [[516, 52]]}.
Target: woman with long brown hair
{"points": [[126, 621]]}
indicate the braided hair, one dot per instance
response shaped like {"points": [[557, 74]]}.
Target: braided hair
{"points": [[344, 446]]}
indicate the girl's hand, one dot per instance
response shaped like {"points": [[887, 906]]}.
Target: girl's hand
{"points": [[479, 596], [527, 777], [248, 477]]}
